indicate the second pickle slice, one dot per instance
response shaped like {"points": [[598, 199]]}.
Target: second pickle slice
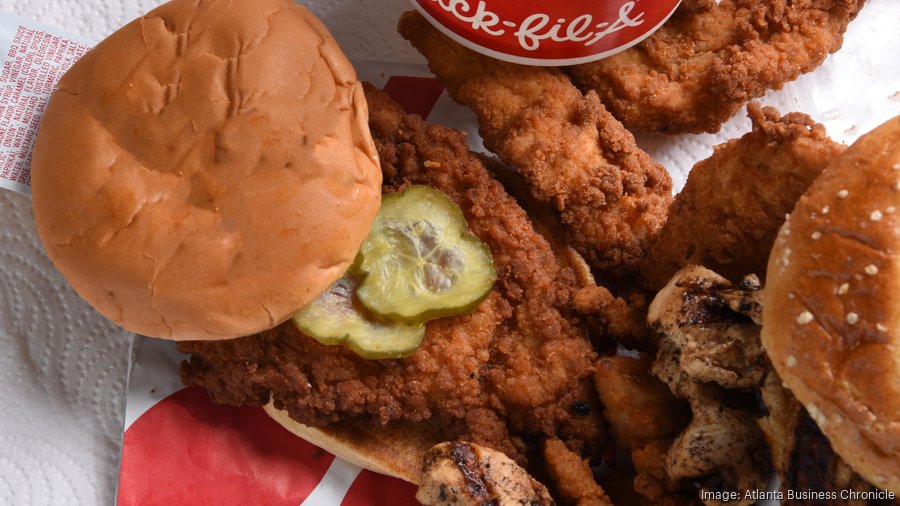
{"points": [[420, 262], [336, 317]]}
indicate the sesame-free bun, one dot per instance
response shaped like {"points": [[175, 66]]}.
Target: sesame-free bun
{"points": [[396, 450], [207, 169], [831, 319]]}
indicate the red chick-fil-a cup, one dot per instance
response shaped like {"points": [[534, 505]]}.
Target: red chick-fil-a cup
{"points": [[548, 33]]}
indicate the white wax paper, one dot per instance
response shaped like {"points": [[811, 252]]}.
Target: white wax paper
{"points": [[63, 368]]}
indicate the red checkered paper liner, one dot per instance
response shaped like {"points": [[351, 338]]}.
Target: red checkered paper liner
{"points": [[180, 448]]}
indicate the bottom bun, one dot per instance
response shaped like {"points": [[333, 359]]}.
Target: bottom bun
{"points": [[398, 450]]}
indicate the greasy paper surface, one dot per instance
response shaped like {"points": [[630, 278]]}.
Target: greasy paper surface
{"points": [[63, 368]]}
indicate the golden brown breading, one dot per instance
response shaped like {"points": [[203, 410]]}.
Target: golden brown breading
{"points": [[607, 315], [611, 196], [729, 212], [709, 59], [619, 485], [639, 407], [572, 476], [644, 418], [652, 479], [517, 367]]}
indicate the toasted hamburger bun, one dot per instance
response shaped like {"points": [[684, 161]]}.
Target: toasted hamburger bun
{"points": [[207, 170], [397, 450], [832, 309]]}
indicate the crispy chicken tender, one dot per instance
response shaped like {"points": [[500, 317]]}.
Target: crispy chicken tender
{"points": [[639, 407], [607, 316], [615, 317], [734, 202], [573, 476], [611, 196], [711, 58], [644, 418], [518, 366]]}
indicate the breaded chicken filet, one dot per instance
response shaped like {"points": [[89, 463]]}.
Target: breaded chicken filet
{"points": [[517, 368], [734, 202], [711, 58]]}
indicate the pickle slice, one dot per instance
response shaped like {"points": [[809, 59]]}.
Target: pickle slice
{"points": [[419, 260], [337, 317]]}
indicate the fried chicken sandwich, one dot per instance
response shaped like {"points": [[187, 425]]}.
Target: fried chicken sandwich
{"points": [[512, 372]]}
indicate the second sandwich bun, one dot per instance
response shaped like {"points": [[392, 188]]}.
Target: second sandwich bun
{"points": [[207, 170], [832, 310]]}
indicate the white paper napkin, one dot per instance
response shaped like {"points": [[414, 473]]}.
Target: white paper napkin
{"points": [[63, 368], [855, 90], [62, 377]]}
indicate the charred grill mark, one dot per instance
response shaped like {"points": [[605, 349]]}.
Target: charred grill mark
{"points": [[815, 466], [810, 467], [467, 463], [750, 283], [705, 303]]}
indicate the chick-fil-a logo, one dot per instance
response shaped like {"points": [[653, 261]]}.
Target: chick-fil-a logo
{"points": [[538, 27], [481, 19], [547, 33]]}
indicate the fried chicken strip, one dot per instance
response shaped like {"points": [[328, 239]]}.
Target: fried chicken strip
{"points": [[644, 418], [734, 202], [519, 366], [573, 476], [711, 58], [607, 316], [611, 196]]}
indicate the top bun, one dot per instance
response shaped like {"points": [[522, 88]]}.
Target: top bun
{"points": [[207, 169], [831, 319]]}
